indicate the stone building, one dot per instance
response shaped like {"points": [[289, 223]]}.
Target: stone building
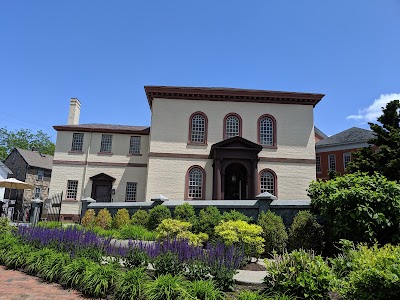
{"points": [[203, 143]]}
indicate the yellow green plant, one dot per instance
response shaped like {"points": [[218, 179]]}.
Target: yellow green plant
{"points": [[104, 219], [242, 233], [121, 218], [171, 228], [89, 219]]}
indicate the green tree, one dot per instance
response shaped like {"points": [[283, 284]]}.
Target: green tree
{"points": [[386, 160], [24, 139]]}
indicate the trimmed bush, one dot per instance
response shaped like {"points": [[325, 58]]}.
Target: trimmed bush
{"points": [[242, 233], [157, 214], [184, 212], [168, 287], [130, 285], [274, 232], [89, 219], [175, 229], [305, 232], [205, 290], [300, 273], [104, 219], [207, 219], [140, 217], [234, 215], [121, 218], [136, 232]]}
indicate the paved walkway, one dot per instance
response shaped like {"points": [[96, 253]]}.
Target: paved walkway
{"points": [[16, 285]]}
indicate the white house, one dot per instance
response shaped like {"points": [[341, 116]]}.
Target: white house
{"points": [[4, 173], [203, 143]]}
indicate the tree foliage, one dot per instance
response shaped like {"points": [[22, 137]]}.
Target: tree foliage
{"points": [[359, 207], [387, 159], [24, 139]]}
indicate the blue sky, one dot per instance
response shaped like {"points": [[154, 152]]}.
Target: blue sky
{"points": [[104, 52]]}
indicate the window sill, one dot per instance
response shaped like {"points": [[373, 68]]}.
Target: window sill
{"points": [[75, 152], [197, 144], [269, 147], [130, 201], [104, 153], [70, 201], [134, 154]]}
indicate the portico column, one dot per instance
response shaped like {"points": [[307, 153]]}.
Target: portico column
{"points": [[217, 180], [255, 178]]}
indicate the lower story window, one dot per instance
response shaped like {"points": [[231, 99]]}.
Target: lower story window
{"points": [[37, 193], [131, 189], [268, 182], [72, 189], [195, 183]]}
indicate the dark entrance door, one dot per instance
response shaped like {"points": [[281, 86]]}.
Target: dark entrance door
{"points": [[101, 187], [235, 182]]}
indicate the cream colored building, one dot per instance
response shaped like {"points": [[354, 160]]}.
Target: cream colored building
{"points": [[203, 143]]}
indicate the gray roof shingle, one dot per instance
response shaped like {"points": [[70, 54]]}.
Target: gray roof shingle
{"points": [[36, 159], [5, 168], [349, 136]]}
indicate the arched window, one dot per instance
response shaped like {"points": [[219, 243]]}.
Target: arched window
{"points": [[198, 128], [268, 182], [267, 131], [232, 126], [195, 180]]}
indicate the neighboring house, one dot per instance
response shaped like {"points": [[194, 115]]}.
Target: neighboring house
{"points": [[319, 135], [32, 167], [204, 143], [4, 174], [335, 152]]}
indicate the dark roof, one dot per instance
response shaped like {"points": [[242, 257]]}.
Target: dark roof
{"points": [[349, 136], [5, 168], [94, 127], [319, 132], [36, 159], [230, 94]]}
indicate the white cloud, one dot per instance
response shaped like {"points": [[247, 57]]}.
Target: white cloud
{"points": [[372, 112]]}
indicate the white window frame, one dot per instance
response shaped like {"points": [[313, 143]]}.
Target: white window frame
{"points": [[266, 131], [198, 129], [134, 146], [131, 191], [267, 182], [37, 194], [232, 126], [72, 189], [318, 165], [77, 142], [195, 183], [332, 162], [106, 143], [346, 159], [40, 175]]}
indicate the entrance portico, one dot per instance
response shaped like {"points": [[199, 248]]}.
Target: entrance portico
{"points": [[235, 173]]}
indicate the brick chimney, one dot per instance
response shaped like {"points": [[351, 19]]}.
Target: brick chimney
{"points": [[74, 111]]}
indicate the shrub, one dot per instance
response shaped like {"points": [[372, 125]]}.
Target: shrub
{"points": [[130, 285], [274, 232], [170, 228], [205, 290], [206, 221], [50, 224], [300, 273], [305, 232], [136, 232], [234, 215], [167, 287], [168, 263], [157, 214], [72, 274], [359, 207], [89, 219], [242, 233], [4, 225], [121, 218], [98, 280], [249, 295], [197, 270], [16, 255], [184, 212], [137, 258], [53, 265], [141, 218], [36, 260], [104, 219]]}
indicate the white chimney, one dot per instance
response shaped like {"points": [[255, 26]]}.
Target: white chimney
{"points": [[74, 112]]}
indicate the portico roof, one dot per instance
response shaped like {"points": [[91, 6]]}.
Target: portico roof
{"points": [[235, 143]]}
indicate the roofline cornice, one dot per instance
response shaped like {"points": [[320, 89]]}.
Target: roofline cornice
{"points": [[102, 130], [230, 94]]}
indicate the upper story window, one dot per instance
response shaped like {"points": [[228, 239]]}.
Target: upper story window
{"points": [[106, 143], [195, 183], [331, 162], [346, 159], [318, 164], [131, 189], [72, 189], [267, 131], [77, 142], [40, 175], [134, 147], [268, 182], [232, 126], [198, 128]]}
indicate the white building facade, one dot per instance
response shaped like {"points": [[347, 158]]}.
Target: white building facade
{"points": [[203, 143]]}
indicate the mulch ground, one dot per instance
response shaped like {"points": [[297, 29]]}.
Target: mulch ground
{"points": [[16, 285]]}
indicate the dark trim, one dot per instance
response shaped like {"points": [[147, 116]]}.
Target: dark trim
{"points": [[75, 128], [288, 160], [134, 154], [274, 143], [96, 163], [203, 184], [230, 94], [178, 155], [105, 153], [240, 124], [205, 129], [275, 180], [76, 152], [68, 162]]}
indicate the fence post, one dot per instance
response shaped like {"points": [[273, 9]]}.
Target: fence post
{"points": [[36, 203], [264, 201], [84, 205]]}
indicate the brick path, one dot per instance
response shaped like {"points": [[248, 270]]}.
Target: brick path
{"points": [[16, 285]]}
